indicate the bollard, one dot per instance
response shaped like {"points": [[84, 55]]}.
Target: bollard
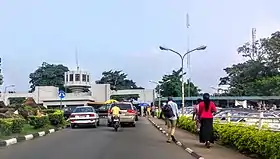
{"points": [[260, 121], [228, 116]]}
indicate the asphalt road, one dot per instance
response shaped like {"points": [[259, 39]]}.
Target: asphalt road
{"points": [[143, 141]]}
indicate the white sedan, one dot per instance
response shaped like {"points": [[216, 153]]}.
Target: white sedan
{"points": [[84, 115]]}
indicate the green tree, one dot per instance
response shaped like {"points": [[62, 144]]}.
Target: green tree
{"points": [[256, 75], [48, 75], [1, 79], [117, 80], [170, 85]]}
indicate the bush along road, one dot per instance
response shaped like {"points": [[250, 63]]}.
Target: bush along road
{"points": [[245, 139], [18, 128]]}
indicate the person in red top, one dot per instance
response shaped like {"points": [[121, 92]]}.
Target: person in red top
{"points": [[206, 108]]}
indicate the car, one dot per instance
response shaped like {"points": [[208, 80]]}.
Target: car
{"points": [[84, 115], [127, 116], [103, 111], [68, 111]]}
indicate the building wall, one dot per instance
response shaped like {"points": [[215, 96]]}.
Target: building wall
{"points": [[98, 92], [145, 95]]}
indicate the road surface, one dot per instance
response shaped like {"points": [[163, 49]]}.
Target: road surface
{"points": [[142, 142]]}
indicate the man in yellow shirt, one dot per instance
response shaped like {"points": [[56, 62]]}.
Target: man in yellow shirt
{"points": [[115, 111]]}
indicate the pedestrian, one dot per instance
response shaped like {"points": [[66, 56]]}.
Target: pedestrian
{"points": [[195, 114], [161, 116], [148, 111], [206, 108], [153, 110], [171, 112]]}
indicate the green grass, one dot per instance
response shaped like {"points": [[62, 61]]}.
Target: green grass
{"points": [[27, 129]]}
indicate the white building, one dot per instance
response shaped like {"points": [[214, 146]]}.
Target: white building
{"points": [[77, 81]]}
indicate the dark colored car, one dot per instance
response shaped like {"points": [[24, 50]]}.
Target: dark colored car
{"points": [[68, 111], [103, 111]]}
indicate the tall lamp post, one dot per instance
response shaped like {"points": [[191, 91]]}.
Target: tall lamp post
{"points": [[159, 102], [182, 57], [5, 91]]}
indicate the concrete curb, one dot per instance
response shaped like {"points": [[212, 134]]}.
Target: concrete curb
{"points": [[12, 141], [189, 150]]}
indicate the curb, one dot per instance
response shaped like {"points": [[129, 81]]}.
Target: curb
{"points": [[12, 141], [189, 150]]}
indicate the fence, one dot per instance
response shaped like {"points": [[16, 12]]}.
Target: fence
{"points": [[258, 119]]}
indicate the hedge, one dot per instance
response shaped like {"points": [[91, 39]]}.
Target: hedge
{"points": [[11, 125], [244, 138], [39, 121], [57, 118], [48, 111]]}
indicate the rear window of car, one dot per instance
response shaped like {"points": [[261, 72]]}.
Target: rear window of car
{"points": [[123, 106], [83, 109]]}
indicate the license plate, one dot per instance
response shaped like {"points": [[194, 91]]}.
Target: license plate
{"points": [[116, 119]]}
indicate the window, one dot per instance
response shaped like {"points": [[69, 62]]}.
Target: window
{"points": [[71, 77], [66, 78], [77, 77], [124, 106], [84, 77], [87, 78], [83, 110]]}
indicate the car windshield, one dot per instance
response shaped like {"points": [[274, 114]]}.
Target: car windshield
{"points": [[83, 110], [124, 106], [104, 107]]}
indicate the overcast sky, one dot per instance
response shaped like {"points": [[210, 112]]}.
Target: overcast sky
{"points": [[125, 34]]}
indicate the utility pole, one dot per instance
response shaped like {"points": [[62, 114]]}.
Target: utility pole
{"points": [[254, 49], [188, 56]]}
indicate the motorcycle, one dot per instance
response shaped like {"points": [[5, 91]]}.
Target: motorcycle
{"points": [[116, 123]]}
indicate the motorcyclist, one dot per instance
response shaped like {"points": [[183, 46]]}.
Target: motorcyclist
{"points": [[115, 111]]}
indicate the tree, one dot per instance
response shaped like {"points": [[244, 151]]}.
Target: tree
{"points": [[170, 85], [257, 75], [1, 79], [117, 80], [48, 75]]}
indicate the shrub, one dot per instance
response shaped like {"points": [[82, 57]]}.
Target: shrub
{"points": [[48, 111], [38, 121], [57, 118], [244, 138], [11, 125]]}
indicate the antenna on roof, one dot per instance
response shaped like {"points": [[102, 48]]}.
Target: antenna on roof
{"points": [[77, 61]]}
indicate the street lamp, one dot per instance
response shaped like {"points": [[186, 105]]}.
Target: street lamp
{"points": [[182, 57], [159, 102], [5, 90]]}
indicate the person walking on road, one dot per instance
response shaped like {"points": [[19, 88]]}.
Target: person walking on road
{"points": [[195, 114], [171, 112], [206, 108]]}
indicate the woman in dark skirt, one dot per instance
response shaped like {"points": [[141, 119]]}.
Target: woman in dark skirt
{"points": [[206, 108]]}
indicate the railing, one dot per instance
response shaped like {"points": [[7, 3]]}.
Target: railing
{"points": [[273, 123]]}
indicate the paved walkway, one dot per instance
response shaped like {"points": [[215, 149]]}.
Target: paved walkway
{"points": [[191, 141]]}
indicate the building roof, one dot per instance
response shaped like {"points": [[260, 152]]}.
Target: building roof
{"points": [[227, 98]]}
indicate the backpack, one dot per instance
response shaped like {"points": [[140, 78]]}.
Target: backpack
{"points": [[167, 111]]}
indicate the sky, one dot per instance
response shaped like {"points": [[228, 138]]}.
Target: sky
{"points": [[125, 35]]}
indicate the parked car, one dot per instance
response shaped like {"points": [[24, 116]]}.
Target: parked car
{"points": [[127, 116], [84, 115]]}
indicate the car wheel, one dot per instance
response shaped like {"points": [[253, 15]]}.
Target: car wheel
{"points": [[98, 123], [73, 126], [95, 125], [133, 125], [136, 118]]}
